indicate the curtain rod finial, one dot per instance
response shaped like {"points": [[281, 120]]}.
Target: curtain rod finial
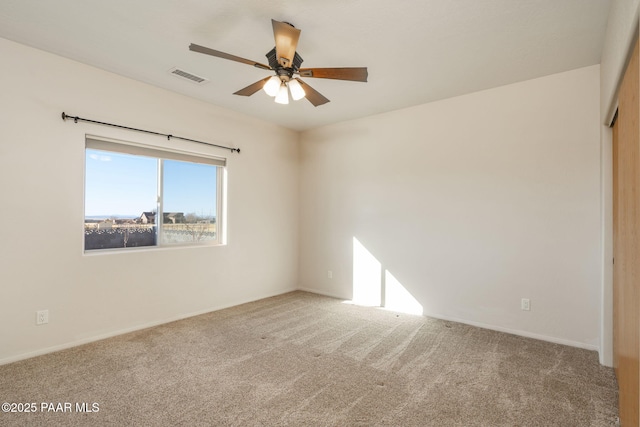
{"points": [[64, 116]]}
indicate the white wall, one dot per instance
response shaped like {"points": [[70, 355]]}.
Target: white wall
{"points": [[622, 25], [471, 203], [41, 182], [622, 28]]}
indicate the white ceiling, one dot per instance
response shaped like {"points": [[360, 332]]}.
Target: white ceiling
{"points": [[416, 51]]}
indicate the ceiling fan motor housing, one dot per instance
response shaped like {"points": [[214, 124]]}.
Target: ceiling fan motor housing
{"points": [[285, 73]]}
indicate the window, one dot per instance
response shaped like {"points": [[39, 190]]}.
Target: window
{"points": [[137, 196]]}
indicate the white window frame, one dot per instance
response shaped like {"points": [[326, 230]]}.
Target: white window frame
{"points": [[161, 153]]}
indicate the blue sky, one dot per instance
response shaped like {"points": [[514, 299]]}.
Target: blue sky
{"points": [[189, 188], [126, 185]]}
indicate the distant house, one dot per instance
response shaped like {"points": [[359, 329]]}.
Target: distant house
{"points": [[173, 218], [147, 218], [167, 218]]}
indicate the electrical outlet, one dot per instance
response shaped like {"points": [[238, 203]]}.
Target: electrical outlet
{"points": [[525, 304], [42, 317], [329, 274]]}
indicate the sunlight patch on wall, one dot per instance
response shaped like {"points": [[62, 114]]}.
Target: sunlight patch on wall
{"points": [[367, 276], [377, 287], [397, 298]]}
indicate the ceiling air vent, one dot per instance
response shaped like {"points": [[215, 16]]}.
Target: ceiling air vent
{"points": [[189, 76]]}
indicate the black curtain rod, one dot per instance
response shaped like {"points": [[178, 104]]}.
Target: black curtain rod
{"points": [[77, 119]]}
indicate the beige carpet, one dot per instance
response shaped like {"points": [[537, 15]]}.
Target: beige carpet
{"points": [[302, 359]]}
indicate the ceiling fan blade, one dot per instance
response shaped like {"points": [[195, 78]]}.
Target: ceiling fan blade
{"points": [[314, 97], [286, 37], [357, 74], [252, 88], [212, 52]]}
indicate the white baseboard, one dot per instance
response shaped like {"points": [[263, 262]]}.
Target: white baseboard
{"points": [[76, 343], [111, 334], [518, 332], [326, 294]]}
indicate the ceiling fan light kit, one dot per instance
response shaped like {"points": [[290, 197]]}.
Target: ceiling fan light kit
{"points": [[272, 86], [285, 62], [283, 94], [297, 92]]}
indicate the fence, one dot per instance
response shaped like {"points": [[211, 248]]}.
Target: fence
{"points": [[131, 236], [119, 237]]}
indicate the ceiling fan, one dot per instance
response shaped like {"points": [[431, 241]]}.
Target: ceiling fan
{"points": [[285, 61]]}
